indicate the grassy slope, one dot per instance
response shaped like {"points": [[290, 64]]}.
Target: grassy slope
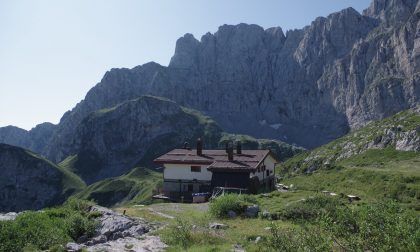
{"points": [[71, 183], [353, 143], [134, 187], [373, 174], [369, 176]]}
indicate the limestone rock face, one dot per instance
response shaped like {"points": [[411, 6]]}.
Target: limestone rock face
{"points": [[391, 11], [27, 181], [307, 86], [112, 141]]}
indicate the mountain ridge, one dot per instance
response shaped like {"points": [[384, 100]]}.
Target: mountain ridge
{"points": [[336, 74]]}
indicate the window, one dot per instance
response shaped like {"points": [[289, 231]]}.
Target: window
{"points": [[268, 173], [195, 168]]}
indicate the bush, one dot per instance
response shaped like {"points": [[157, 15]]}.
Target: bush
{"points": [[32, 228], [220, 206], [47, 230], [78, 225]]}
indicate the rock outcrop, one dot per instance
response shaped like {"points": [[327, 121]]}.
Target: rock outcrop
{"points": [[117, 232], [28, 182]]}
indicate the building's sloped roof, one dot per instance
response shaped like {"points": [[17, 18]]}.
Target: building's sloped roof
{"points": [[215, 159]]}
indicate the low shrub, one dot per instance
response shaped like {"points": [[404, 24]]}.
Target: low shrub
{"points": [[48, 229], [220, 206], [35, 228], [78, 225]]}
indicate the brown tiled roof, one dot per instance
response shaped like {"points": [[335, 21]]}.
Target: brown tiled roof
{"points": [[215, 159]]}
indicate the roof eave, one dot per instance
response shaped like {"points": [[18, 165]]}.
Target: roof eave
{"points": [[182, 162]]}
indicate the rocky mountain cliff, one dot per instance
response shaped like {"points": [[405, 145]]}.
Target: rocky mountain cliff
{"points": [[30, 182], [307, 86], [110, 142]]}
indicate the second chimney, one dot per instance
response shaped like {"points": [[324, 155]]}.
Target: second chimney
{"points": [[238, 147], [230, 151], [199, 147]]}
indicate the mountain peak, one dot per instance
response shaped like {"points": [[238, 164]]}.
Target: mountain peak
{"points": [[391, 12], [185, 50]]}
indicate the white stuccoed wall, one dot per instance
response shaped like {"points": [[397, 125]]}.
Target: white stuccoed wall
{"points": [[183, 171], [269, 164]]}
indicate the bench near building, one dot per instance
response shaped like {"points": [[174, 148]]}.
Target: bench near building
{"points": [[188, 171]]}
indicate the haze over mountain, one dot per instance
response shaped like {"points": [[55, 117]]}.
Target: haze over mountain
{"points": [[306, 87]]}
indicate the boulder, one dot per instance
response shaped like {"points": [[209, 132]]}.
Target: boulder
{"points": [[252, 211], [231, 214], [114, 225]]}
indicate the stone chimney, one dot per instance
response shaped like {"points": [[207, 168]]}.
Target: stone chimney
{"points": [[230, 151], [238, 147], [199, 147]]}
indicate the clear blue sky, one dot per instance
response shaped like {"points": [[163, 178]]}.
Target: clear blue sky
{"points": [[53, 52]]}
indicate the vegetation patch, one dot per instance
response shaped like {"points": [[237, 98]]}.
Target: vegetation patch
{"points": [[182, 235], [379, 227], [221, 206], [48, 229]]}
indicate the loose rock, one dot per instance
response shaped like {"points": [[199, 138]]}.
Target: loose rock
{"points": [[216, 225]]}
